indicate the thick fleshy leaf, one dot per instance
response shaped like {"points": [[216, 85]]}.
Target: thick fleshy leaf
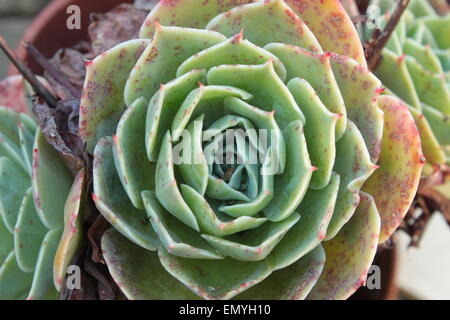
{"points": [[208, 218], [235, 50], [256, 244], [164, 106], [331, 25], [433, 152], [395, 75], [170, 47], [291, 186], [214, 279], [263, 20], [359, 89], [28, 234], [167, 190], [439, 122], [193, 167], [114, 204], [349, 254], [207, 100], [14, 283], [14, 183], [269, 92], [26, 145], [354, 167], [125, 262], [292, 283], [42, 287], [319, 131], [102, 102], [401, 162], [316, 70], [186, 13], [136, 172], [72, 236], [6, 242], [315, 210], [431, 88], [176, 237], [48, 166]]}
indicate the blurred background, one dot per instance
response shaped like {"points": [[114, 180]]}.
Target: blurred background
{"points": [[423, 273], [15, 16]]}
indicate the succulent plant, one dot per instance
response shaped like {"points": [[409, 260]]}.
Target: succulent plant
{"points": [[37, 236], [349, 161], [416, 67]]}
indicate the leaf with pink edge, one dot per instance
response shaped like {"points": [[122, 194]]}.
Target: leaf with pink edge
{"points": [[349, 254], [332, 26], [401, 162], [72, 235], [102, 102]]}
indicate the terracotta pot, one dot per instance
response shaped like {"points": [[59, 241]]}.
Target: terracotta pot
{"points": [[387, 261], [48, 31]]}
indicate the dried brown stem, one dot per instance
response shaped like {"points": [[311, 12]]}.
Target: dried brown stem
{"points": [[52, 71], [40, 89], [374, 56]]}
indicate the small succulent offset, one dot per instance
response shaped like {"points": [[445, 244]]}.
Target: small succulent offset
{"points": [[416, 67], [36, 240], [349, 160]]}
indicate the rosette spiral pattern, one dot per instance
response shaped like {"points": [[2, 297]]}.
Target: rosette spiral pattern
{"points": [[37, 240], [416, 68], [300, 221]]}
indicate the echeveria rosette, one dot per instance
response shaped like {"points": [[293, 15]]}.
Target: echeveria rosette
{"points": [[347, 173], [416, 67], [34, 186]]}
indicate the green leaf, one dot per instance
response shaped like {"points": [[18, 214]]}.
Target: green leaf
{"points": [[170, 47], [49, 198], [359, 88], [268, 90], [28, 234], [209, 219], [14, 282], [125, 260], [164, 106], [186, 13], [14, 182], [316, 70], [102, 102], [354, 167], [136, 172], [262, 21], [176, 237], [319, 130], [292, 283], [349, 254], [113, 202], [214, 279], [256, 244]]}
